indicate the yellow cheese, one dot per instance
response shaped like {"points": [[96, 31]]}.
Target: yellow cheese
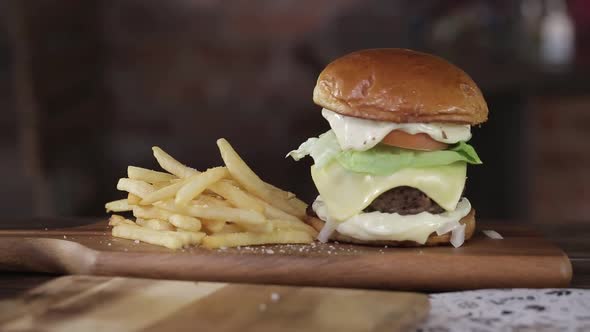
{"points": [[347, 193]]}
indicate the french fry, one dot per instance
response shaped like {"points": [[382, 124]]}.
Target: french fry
{"points": [[148, 175], [198, 183], [290, 197], [298, 205], [115, 220], [282, 219], [244, 175], [214, 226], [215, 213], [235, 215], [133, 199], [231, 204], [273, 213], [191, 238], [236, 196], [162, 194], [267, 227], [167, 239], [151, 212], [120, 205], [248, 238], [173, 166], [190, 224], [230, 228], [210, 200], [135, 187], [155, 224], [293, 225]]}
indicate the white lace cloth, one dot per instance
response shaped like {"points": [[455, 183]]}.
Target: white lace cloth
{"points": [[510, 310]]}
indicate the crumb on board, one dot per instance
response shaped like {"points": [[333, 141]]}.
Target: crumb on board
{"points": [[275, 297], [315, 248]]}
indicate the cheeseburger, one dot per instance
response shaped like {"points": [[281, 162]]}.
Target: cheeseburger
{"points": [[392, 169]]}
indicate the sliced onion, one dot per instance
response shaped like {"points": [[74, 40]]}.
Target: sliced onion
{"points": [[329, 226], [327, 230], [458, 236], [447, 227], [493, 235]]}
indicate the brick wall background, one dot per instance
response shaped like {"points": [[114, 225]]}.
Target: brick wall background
{"points": [[560, 151], [108, 79]]}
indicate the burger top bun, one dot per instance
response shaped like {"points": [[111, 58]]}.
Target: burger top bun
{"points": [[399, 85]]}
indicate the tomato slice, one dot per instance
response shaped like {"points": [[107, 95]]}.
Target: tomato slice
{"points": [[415, 142]]}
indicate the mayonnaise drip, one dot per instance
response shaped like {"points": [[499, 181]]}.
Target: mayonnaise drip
{"points": [[362, 134], [392, 226]]}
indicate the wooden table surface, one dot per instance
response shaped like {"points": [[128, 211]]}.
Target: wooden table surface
{"points": [[572, 238]]}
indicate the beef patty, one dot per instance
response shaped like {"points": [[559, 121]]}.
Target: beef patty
{"points": [[401, 200], [404, 200]]}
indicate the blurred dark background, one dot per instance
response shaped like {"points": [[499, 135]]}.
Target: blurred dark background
{"points": [[87, 87]]}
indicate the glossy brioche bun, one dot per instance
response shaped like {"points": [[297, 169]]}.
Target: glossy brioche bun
{"points": [[399, 85], [433, 239]]}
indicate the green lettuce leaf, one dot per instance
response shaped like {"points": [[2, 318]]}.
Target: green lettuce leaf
{"points": [[322, 149], [384, 159]]}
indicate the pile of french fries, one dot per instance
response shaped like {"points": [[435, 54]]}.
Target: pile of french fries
{"points": [[221, 207]]}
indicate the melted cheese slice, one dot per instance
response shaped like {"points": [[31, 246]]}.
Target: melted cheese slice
{"points": [[347, 193], [392, 226]]}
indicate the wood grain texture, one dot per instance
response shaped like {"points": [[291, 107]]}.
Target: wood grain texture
{"points": [[522, 259], [85, 303]]}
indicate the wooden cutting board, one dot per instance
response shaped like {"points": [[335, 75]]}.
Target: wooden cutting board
{"points": [[521, 259], [84, 303]]}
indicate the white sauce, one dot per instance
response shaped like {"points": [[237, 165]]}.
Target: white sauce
{"points": [[361, 134], [329, 224], [392, 226]]}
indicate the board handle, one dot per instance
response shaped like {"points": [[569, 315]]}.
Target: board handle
{"points": [[45, 255]]}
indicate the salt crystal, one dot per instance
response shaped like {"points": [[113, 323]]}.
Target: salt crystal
{"points": [[270, 251], [65, 237], [108, 244], [275, 297]]}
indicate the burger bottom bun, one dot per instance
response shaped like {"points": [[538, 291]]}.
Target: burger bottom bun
{"points": [[433, 239]]}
